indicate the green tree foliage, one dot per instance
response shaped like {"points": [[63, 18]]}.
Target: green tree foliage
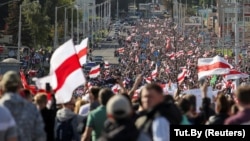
{"points": [[38, 22]]}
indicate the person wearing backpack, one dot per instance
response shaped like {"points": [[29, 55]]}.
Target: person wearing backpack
{"points": [[160, 114], [66, 124]]}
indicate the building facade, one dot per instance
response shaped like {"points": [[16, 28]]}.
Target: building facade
{"points": [[226, 19]]}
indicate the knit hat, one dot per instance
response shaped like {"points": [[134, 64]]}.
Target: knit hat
{"points": [[118, 107], [10, 79]]}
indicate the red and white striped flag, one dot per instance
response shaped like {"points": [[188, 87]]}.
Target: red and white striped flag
{"points": [[190, 52], [65, 73], [212, 66], [116, 88], [120, 50], [148, 79], [106, 64], [182, 75], [234, 74], [94, 72], [154, 72], [82, 50], [171, 56]]}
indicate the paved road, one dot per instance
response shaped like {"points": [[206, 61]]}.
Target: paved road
{"points": [[108, 55]]}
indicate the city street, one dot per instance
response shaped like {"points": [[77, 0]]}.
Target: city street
{"points": [[108, 54]]}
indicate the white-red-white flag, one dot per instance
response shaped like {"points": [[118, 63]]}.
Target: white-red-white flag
{"points": [[182, 75], [190, 52], [120, 50], [106, 64], [212, 66], [234, 74], [148, 79], [116, 88], [154, 73], [82, 50], [65, 73], [95, 71]]}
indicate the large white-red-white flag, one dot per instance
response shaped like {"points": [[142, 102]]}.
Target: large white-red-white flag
{"points": [[234, 74], [212, 66], [95, 71], [82, 50], [65, 73]]}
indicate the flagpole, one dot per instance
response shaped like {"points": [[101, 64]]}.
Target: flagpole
{"points": [[236, 40], [175, 47]]}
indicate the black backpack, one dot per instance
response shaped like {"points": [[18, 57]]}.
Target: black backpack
{"points": [[64, 130]]}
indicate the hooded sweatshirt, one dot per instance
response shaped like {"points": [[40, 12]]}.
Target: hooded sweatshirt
{"points": [[66, 114]]}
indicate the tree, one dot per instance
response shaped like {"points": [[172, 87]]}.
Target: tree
{"points": [[38, 22]]}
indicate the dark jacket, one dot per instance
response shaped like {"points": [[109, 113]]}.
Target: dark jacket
{"points": [[218, 119], [122, 131], [49, 121], [169, 111]]}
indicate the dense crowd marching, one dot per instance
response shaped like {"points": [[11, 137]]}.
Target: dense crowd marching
{"points": [[155, 85]]}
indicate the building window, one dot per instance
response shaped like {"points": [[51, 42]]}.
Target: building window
{"points": [[247, 19]]}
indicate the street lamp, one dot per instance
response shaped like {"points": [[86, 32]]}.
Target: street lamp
{"points": [[19, 28], [66, 22], [56, 33]]}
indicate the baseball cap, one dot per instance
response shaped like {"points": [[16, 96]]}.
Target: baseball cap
{"points": [[10, 79], [118, 107]]}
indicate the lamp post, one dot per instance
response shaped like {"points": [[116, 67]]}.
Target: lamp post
{"points": [[55, 38], [109, 11], [56, 24], [117, 10], [20, 29], [236, 39]]}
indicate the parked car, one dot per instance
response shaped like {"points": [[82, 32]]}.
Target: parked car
{"points": [[90, 64], [99, 61], [98, 57]]}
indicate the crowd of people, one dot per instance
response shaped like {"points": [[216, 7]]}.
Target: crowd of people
{"points": [[136, 100]]}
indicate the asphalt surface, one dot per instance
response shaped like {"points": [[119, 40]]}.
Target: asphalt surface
{"points": [[108, 55], [107, 48]]}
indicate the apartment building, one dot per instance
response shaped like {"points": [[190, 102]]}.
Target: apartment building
{"points": [[226, 13]]}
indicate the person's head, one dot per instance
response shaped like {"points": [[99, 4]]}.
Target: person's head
{"points": [[93, 93], [184, 105], [40, 100], [169, 99], [78, 104], [104, 95], [151, 96], [243, 97], [119, 108], [192, 99], [11, 82], [26, 94], [222, 104], [70, 105]]}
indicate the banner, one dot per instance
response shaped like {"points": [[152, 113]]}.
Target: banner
{"points": [[198, 94]]}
